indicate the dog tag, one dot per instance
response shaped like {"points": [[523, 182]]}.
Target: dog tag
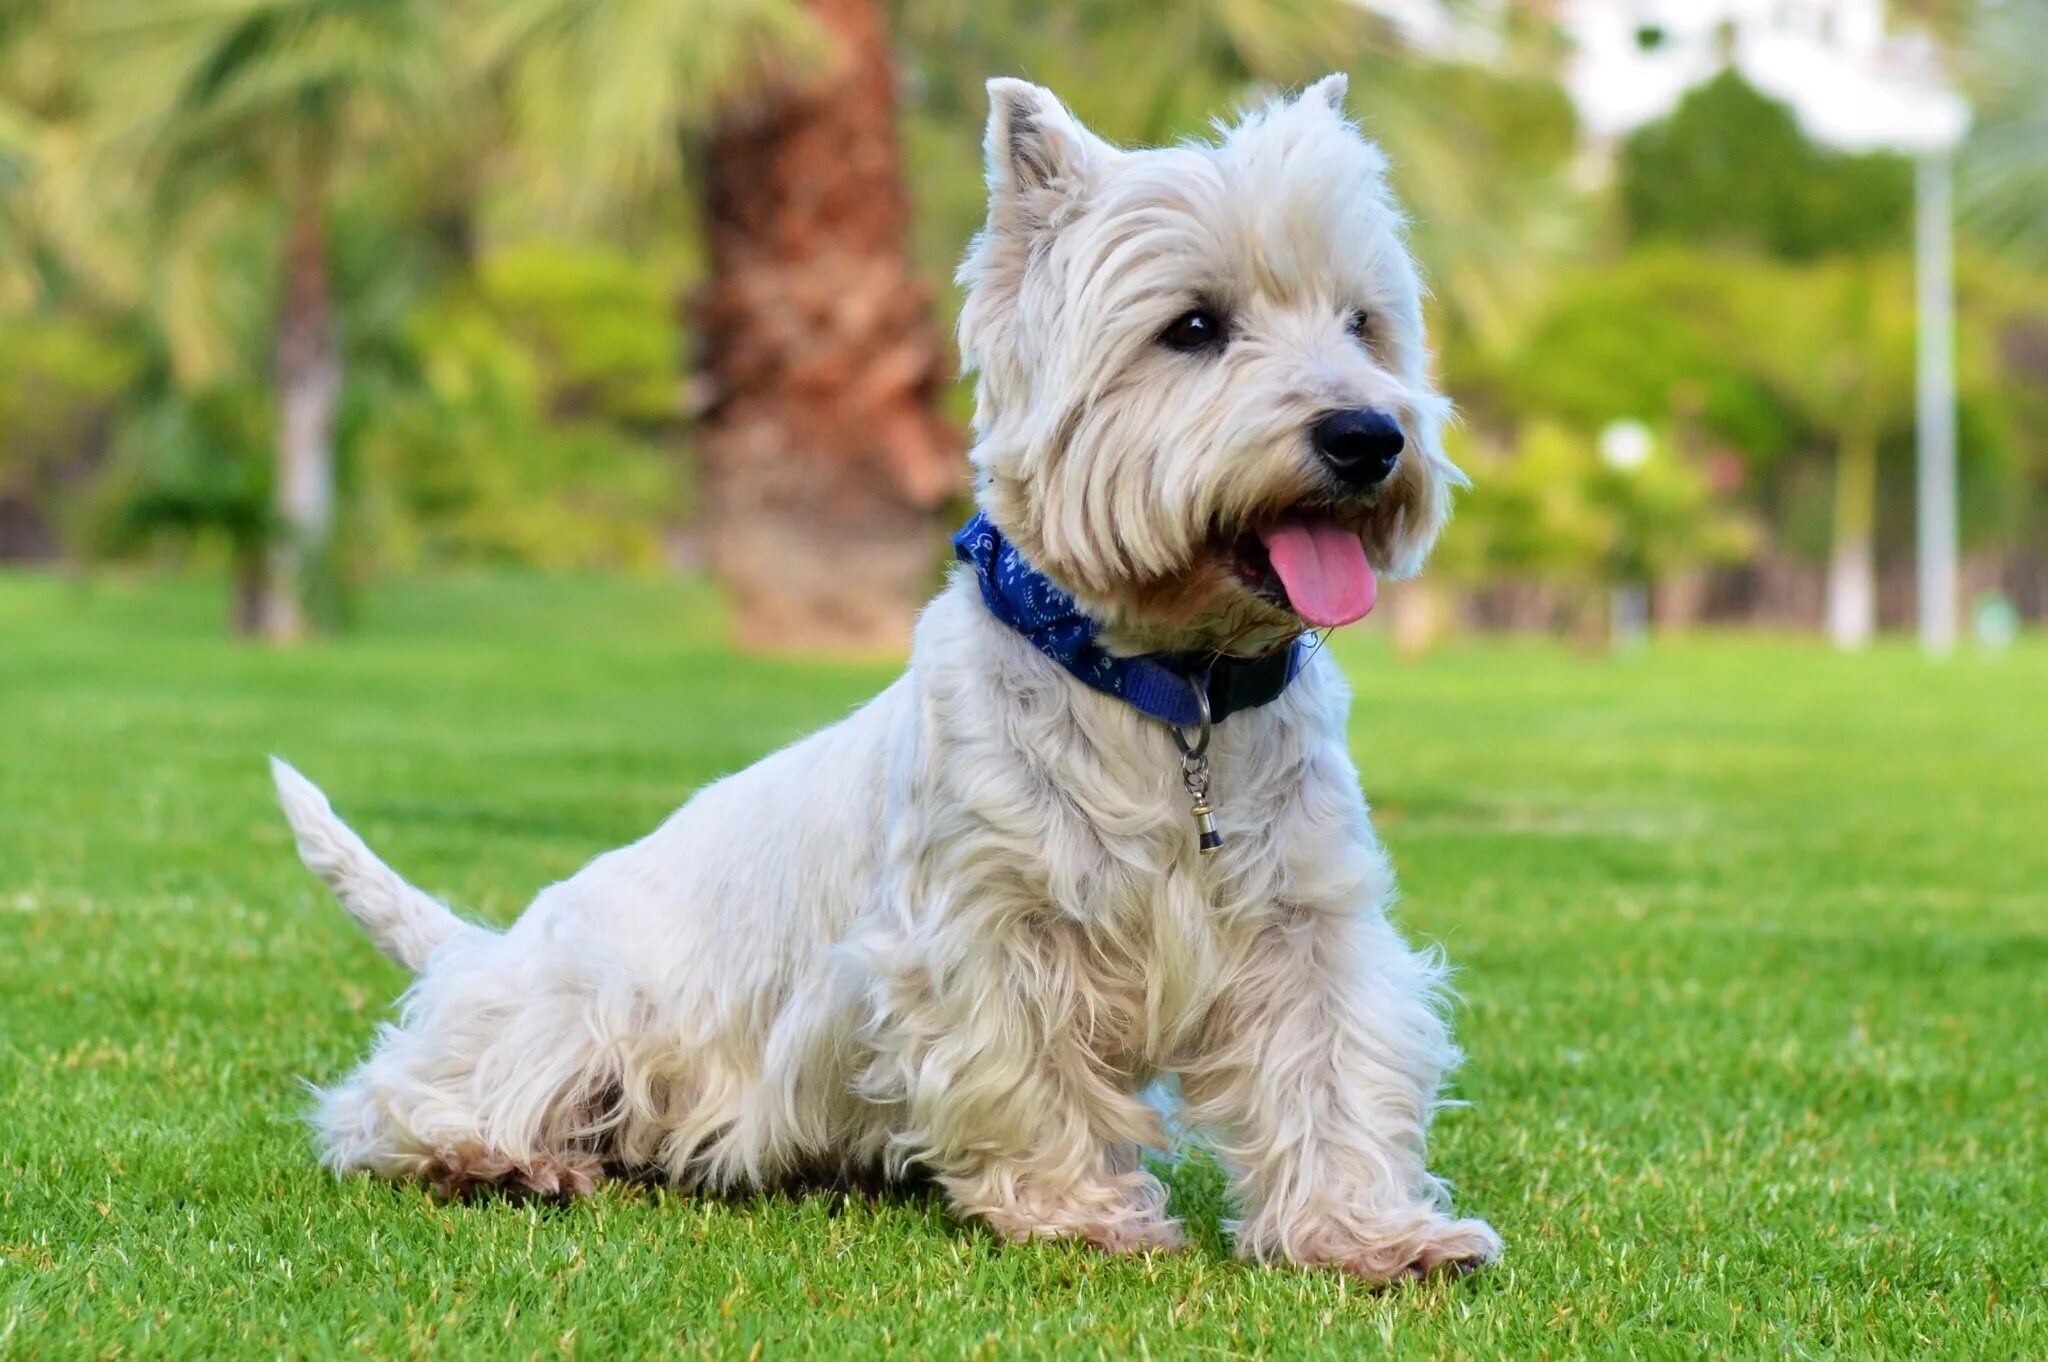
{"points": [[1208, 840], [1194, 773]]}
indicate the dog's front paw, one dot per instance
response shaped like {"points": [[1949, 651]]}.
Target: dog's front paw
{"points": [[1437, 1245], [1132, 1235], [1133, 1229], [1123, 1215], [1157, 1235]]}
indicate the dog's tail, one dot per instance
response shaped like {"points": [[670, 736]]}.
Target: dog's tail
{"points": [[401, 921]]}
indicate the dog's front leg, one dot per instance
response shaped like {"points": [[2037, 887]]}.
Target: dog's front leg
{"points": [[1320, 1067], [1014, 1110]]}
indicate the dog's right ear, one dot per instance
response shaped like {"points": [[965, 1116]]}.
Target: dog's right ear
{"points": [[1041, 162], [1039, 155]]}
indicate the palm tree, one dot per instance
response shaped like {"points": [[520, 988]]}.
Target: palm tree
{"points": [[823, 458], [225, 107]]}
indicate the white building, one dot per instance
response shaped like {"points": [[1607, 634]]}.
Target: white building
{"points": [[1852, 82]]}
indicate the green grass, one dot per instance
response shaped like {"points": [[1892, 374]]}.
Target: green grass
{"points": [[1753, 943]]}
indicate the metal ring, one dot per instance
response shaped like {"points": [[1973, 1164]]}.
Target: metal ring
{"points": [[1199, 748]]}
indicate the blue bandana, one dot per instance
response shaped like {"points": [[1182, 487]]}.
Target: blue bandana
{"points": [[1161, 685]]}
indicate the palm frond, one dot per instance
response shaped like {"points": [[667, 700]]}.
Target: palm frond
{"points": [[190, 86], [605, 89], [2003, 171]]}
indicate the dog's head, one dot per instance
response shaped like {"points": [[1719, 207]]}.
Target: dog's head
{"points": [[1203, 402]]}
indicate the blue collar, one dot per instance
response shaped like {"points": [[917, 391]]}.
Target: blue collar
{"points": [[1161, 685]]}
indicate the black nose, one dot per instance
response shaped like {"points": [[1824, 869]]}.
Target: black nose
{"points": [[1361, 447]]}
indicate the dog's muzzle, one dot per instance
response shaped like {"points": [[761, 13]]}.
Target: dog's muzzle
{"points": [[1360, 447]]}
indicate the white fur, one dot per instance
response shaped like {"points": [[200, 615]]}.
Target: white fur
{"points": [[964, 928]]}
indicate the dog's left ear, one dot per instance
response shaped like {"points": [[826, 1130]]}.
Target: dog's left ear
{"points": [[1328, 92]]}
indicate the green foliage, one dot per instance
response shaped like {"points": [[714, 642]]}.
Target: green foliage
{"points": [[1655, 336], [1553, 511], [61, 379], [528, 428], [601, 91], [282, 90], [1481, 159], [1770, 368], [1141, 71], [1730, 167], [602, 323], [192, 466]]}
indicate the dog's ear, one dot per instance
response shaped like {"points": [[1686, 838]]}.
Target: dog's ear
{"points": [[1038, 154], [1328, 92], [1041, 162]]}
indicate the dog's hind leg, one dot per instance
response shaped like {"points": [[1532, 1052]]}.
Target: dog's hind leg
{"points": [[499, 1076], [406, 1115]]}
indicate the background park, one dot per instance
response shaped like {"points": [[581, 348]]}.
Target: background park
{"points": [[520, 412]]}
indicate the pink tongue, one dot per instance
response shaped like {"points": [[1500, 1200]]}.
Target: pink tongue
{"points": [[1323, 567]]}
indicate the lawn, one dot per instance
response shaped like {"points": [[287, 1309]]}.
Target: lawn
{"points": [[1752, 939]]}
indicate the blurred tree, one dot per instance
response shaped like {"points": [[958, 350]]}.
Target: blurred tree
{"points": [[1482, 159], [825, 458], [1796, 379], [1655, 336], [70, 282], [227, 107], [1837, 341], [1552, 511], [2004, 166], [1730, 168], [61, 381], [191, 464], [66, 228], [507, 429]]}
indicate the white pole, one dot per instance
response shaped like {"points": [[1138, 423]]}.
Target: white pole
{"points": [[1934, 269]]}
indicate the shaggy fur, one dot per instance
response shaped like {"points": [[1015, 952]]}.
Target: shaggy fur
{"points": [[962, 930]]}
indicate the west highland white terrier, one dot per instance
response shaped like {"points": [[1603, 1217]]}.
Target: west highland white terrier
{"points": [[1105, 829]]}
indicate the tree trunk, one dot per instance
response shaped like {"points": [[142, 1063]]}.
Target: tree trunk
{"points": [[1628, 616], [1852, 562], [824, 458], [309, 388], [249, 571]]}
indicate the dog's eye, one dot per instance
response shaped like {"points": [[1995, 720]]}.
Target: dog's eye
{"points": [[1359, 323], [1200, 329]]}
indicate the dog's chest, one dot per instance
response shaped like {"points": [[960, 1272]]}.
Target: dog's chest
{"points": [[1157, 925]]}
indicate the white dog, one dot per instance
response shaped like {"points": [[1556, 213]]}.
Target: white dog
{"points": [[962, 930]]}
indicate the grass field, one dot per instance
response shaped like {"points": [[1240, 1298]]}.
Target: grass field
{"points": [[1753, 944]]}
